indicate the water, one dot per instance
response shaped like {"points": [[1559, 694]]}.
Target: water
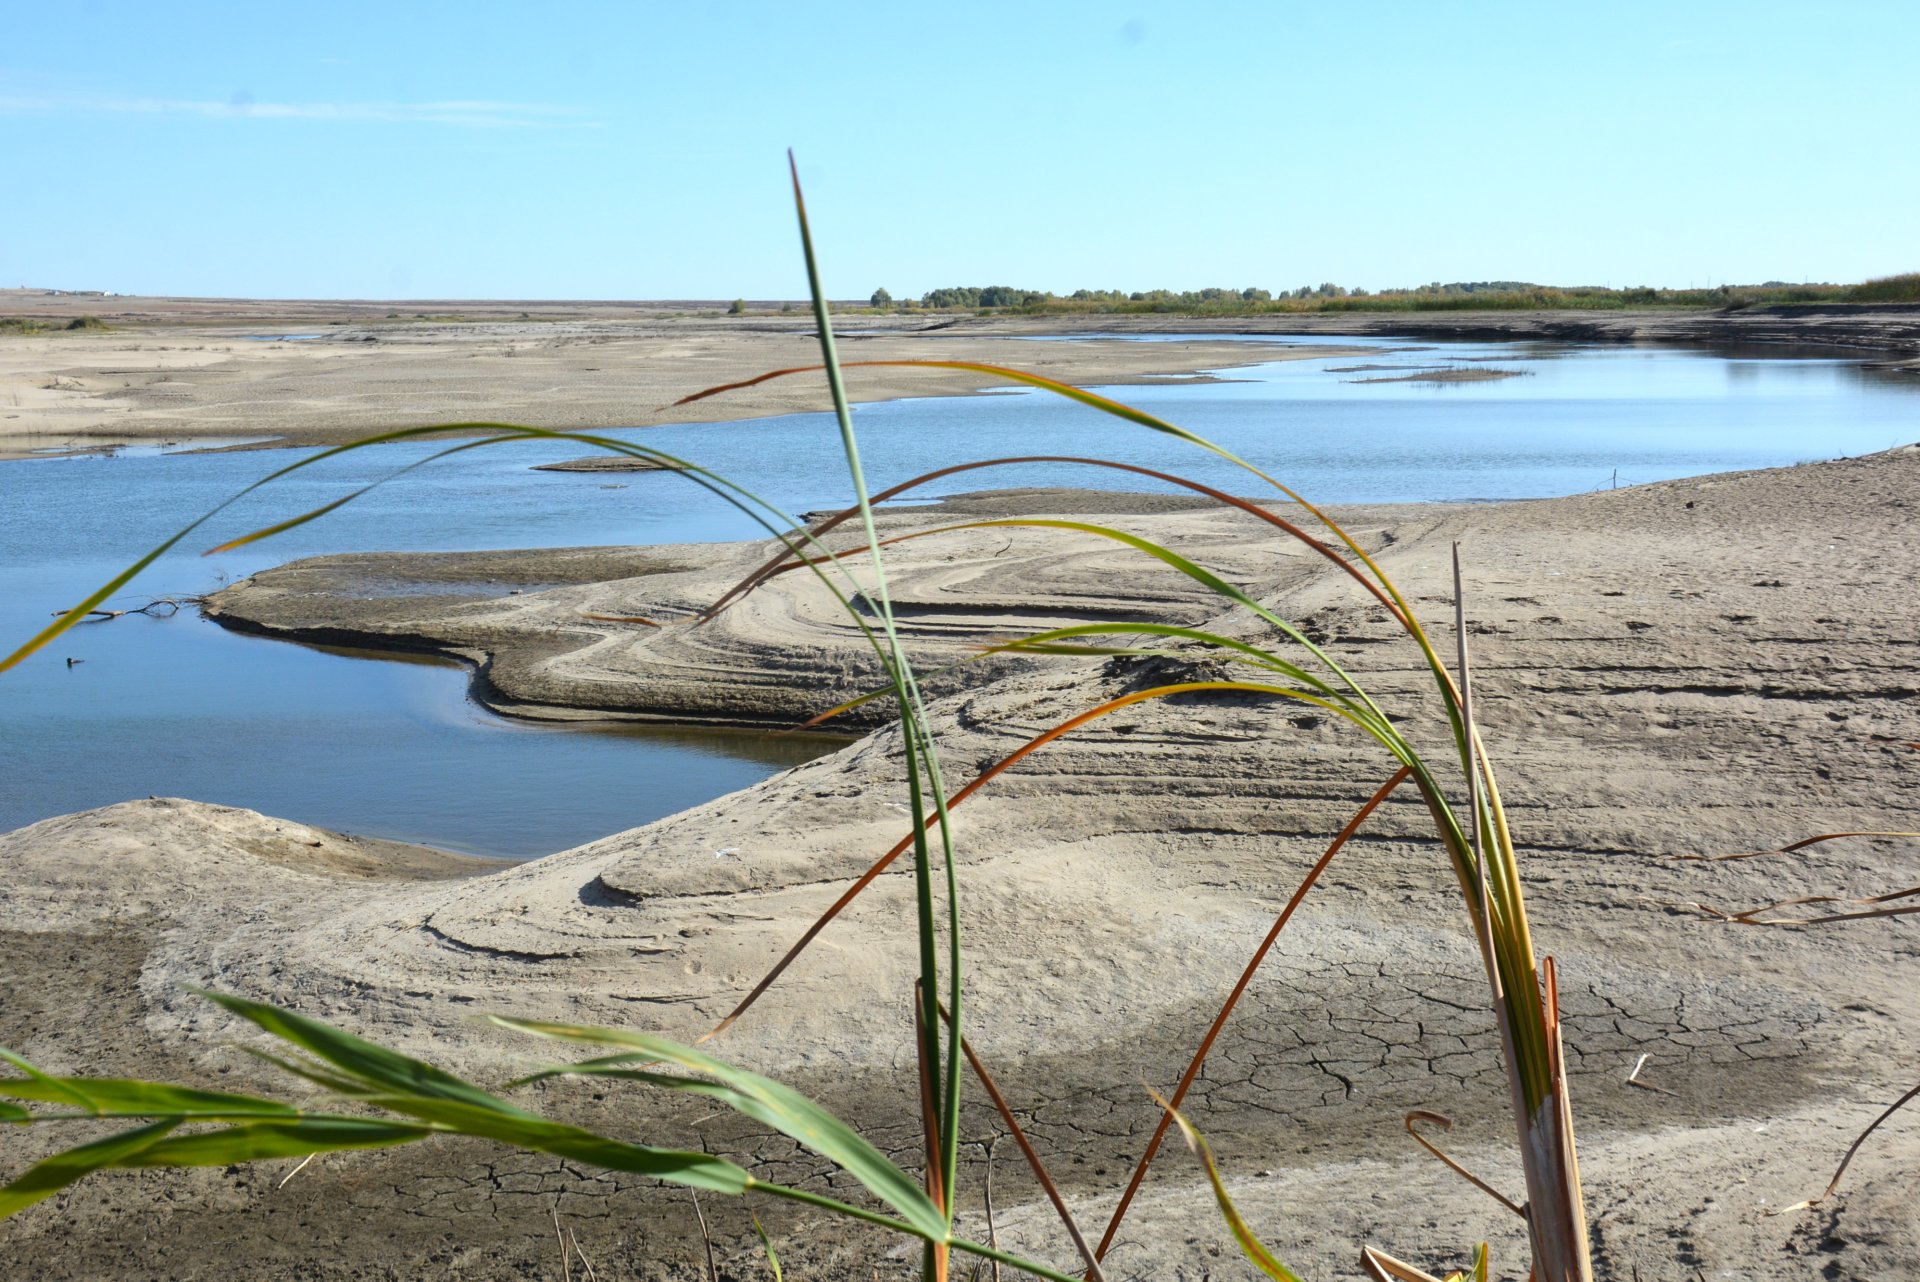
{"points": [[180, 707], [1575, 418]]}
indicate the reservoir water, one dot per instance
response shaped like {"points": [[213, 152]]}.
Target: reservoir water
{"points": [[177, 706]]}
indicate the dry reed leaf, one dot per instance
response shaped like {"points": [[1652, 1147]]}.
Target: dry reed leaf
{"points": [[1445, 1123]]}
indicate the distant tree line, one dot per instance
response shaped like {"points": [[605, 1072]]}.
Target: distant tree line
{"points": [[1433, 296], [984, 296]]}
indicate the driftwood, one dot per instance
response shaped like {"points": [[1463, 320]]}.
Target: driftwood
{"points": [[160, 607]]}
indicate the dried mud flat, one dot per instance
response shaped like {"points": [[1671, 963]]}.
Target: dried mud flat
{"points": [[1718, 664]]}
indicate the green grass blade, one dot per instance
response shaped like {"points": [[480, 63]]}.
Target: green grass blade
{"points": [[922, 754], [1239, 651], [1046, 643], [113, 585], [50, 1175], [260, 1141], [541, 1135], [1118, 410], [295, 522], [47, 1080], [766, 1244], [120, 1097], [361, 1059], [1011, 1260], [1250, 1245], [820, 528], [761, 1098], [766, 515], [1191, 569], [306, 1070]]}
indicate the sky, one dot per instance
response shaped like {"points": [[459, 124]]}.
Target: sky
{"points": [[638, 150]]}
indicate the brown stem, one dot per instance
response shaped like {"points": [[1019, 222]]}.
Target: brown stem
{"points": [[1785, 850], [1226, 1009], [713, 1268], [881, 864], [1445, 1123], [1087, 1254], [929, 1115], [1892, 1108]]}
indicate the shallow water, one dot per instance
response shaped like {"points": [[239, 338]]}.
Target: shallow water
{"points": [[180, 707]]}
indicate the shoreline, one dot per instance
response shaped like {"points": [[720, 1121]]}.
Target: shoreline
{"points": [[195, 371], [82, 392], [1872, 326]]}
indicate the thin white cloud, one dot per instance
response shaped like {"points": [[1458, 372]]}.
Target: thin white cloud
{"points": [[473, 114]]}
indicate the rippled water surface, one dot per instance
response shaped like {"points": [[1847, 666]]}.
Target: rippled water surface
{"points": [[179, 707]]}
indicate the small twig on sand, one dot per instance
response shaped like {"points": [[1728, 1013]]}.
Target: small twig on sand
{"points": [[585, 1263], [1633, 1078], [706, 1238], [560, 1236], [296, 1170], [1846, 1161], [993, 1234]]}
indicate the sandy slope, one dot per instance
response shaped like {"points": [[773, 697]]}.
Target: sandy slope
{"points": [[1706, 665]]}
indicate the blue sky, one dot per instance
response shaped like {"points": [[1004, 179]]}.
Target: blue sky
{"points": [[636, 150]]}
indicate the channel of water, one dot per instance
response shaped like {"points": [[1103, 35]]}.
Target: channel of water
{"points": [[394, 748]]}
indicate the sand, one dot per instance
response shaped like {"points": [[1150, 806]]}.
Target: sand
{"points": [[1708, 665], [192, 369], [197, 376]]}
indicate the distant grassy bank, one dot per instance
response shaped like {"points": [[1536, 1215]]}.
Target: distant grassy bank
{"points": [[28, 325], [1435, 297]]}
